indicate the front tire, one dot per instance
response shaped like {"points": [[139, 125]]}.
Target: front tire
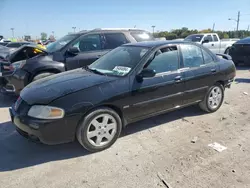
{"points": [[99, 129], [213, 99]]}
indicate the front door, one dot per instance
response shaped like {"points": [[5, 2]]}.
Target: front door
{"points": [[161, 92], [199, 70]]}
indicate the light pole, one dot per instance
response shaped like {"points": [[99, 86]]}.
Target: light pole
{"points": [[236, 20], [153, 27], [74, 29], [213, 26], [12, 29], [53, 33]]}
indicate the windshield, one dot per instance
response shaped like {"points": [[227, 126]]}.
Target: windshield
{"points": [[194, 38], [120, 61], [59, 44]]}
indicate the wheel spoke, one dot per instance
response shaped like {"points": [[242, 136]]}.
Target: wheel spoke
{"points": [[99, 139], [108, 136], [95, 123], [111, 126], [105, 120], [92, 134]]}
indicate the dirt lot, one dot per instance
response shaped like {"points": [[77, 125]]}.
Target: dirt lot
{"points": [[159, 146]]}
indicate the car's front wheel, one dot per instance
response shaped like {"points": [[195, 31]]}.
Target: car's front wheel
{"points": [[99, 129], [213, 99]]}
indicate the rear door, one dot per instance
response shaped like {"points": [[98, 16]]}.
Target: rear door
{"points": [[90, 47], [217, 46], [200, 72]]}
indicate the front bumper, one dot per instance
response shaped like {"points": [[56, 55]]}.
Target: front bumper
{"points": [[15, 82], [48, 132]]}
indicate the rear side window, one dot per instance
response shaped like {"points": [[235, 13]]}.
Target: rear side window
{"points": [[209, 38], [207, 57], [140, 36], [192, 56], [215, 38], [113, 40]]}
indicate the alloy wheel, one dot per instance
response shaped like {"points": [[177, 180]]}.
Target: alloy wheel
{"points": [[215, 97], [101, 130]]}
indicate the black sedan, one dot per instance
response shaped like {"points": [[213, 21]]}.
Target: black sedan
{"points": [[240, 51], [130, 83]]}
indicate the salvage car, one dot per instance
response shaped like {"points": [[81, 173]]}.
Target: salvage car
{"points": [[70, 52], [240, 51], [211, 41], [130, 83], [8, 66]]}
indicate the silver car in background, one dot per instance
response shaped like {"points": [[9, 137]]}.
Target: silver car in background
{"points": [[212, 42]]}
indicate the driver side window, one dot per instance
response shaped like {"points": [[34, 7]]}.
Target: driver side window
{"points": [[165, 60], [88, 43]]}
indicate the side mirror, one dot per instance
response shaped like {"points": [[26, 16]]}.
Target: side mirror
{"points": [[205, 41], [73, 50], [147, 73]]}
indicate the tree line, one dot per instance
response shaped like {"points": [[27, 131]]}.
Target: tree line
{"points": [[184, 32]]}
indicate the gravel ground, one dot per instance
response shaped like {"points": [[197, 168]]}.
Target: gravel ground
{"points": [[156, 152]]}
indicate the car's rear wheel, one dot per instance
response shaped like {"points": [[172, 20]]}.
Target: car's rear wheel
{"points": [[99, 129], [213, 99], [42, 75]]}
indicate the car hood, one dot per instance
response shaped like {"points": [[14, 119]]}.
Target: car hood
{"points": [[50, 88]]}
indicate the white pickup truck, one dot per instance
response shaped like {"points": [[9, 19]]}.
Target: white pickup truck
{"points": [[211, 41]]}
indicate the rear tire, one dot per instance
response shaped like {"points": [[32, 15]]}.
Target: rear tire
{"points": [[213, 99], [99, 129], [42, 75]]}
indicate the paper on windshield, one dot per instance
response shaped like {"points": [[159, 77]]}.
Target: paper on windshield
{"points": [[121, 70]]}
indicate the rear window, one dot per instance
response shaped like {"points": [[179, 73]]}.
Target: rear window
{"points": [[140, 36], [113, 40]]}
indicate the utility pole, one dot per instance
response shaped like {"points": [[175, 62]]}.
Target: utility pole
{"points": [[12, 29], [213, 26], [153, 26], [74, 29], [238, 21]]}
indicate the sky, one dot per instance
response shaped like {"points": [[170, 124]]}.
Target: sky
{"points": [[31, 17]]}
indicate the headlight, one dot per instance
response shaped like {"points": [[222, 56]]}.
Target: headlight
{"points": [[46, 112], [17, 65]]}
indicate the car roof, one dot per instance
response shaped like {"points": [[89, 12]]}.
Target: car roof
{"points": [[109, 30], [157, 43]]}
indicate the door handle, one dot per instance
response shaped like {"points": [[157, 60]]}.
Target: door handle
{"points": [[212, 44], [213, 70], [178, 78]]}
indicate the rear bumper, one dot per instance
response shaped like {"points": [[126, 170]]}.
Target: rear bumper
{"points": [[237, 59]]}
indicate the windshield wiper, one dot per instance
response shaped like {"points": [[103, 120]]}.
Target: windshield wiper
{"points": [[93, 70]]}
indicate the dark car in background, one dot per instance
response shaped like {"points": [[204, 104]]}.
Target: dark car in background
{"points": [[130, 83], [240, 51], [8, 57], [13, 45], [4, 43], [70, 52]]}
